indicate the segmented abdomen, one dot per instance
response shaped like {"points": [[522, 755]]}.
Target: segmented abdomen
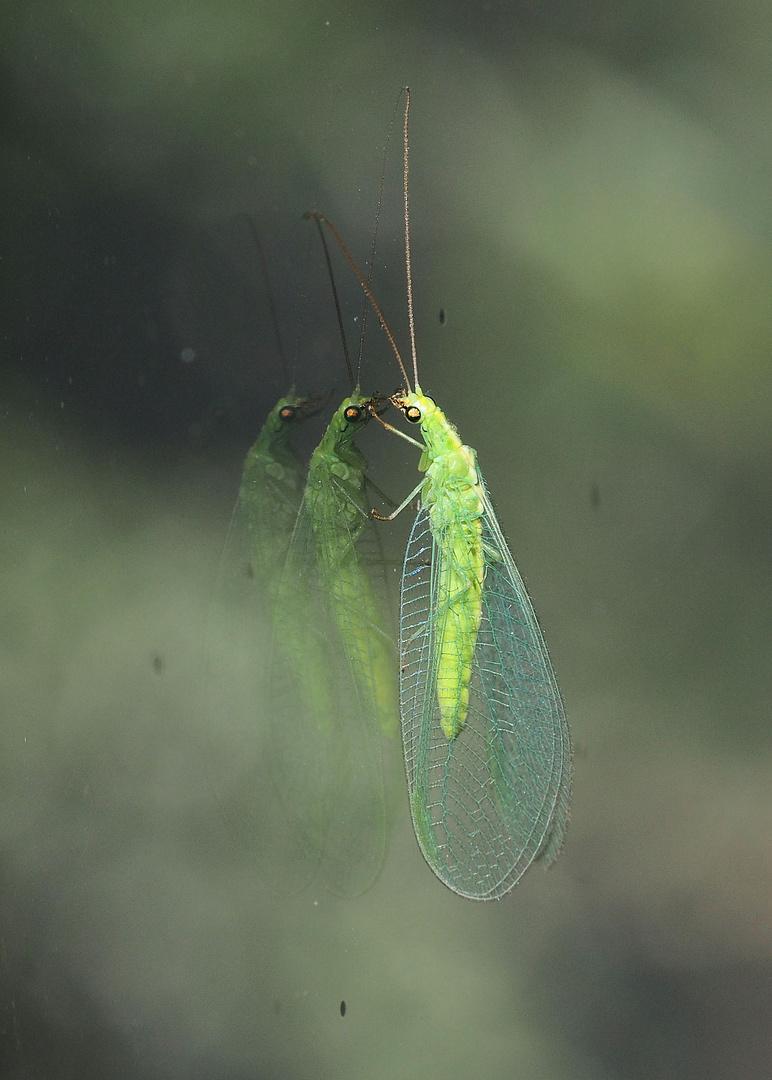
{"points": [[455, 510]]}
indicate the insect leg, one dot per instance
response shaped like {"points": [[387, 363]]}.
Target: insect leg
{"points": [[401, 507]]}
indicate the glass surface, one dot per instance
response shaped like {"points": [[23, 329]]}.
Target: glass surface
{"points": [[592, 266]]}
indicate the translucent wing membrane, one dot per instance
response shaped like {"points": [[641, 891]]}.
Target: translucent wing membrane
{"points": [[240, 617], [492, 799]]}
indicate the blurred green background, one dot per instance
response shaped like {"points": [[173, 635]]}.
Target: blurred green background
{"points": [[591, 209]]}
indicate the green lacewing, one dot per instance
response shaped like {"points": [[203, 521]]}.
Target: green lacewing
{"points": [[484, 733]]}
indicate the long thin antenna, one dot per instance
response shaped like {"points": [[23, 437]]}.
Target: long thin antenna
{"points": [[371, 264], [408, 268], [368, 291], [339, 313], [269, 292]]}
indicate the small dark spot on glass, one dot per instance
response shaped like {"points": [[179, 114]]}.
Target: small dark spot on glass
{"points": [[343, 1008], [158, 663], [442, 316]]}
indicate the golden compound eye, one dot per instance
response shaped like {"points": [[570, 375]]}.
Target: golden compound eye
{"points": [[288, 413], [354, 413], [413, 414]]}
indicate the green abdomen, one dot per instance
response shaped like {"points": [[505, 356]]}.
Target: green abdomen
{"points": [[459, 607]]}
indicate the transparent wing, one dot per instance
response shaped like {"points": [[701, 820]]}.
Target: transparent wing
{"points": [[249, 825], [239, 622], [324, 752], [493, 799], [254, 554]]}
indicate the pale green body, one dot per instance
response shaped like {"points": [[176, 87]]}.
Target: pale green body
{"points": [[453, 495], [264, 521], [487, 749], [338, 509], [333, 672]]}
